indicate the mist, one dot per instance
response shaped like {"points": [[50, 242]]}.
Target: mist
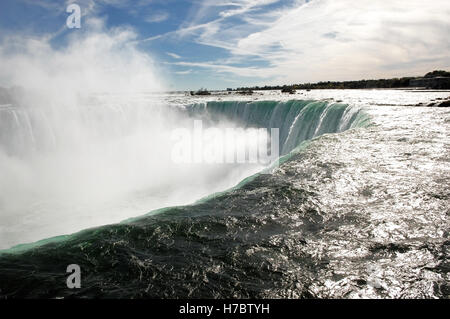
{"points": [[84, 141]]}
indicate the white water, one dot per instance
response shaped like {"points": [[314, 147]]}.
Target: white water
{"points": [[83, 146]]}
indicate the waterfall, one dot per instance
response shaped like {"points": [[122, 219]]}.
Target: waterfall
{"points": [[297, 121]]}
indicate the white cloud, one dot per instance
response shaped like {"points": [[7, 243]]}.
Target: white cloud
{"points": [[329, 40], [223, 68], [173, 55]]}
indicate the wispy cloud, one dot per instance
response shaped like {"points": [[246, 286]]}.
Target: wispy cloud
{"points": [[184, 72], [173, 55], [157, 17], [49, 5], [326, 39], [222, 68], [283, 41]]}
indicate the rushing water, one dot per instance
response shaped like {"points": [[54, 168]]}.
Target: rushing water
{"points": [[362, 212], [109, 158]]}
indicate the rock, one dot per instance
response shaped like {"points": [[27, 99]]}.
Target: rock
{"points": [[289, 90], [444, 104], [246, 92], [201, 92]]}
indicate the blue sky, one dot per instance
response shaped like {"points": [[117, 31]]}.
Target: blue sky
{"points": [[212, 44]]}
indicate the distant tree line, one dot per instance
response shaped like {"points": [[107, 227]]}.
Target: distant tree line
{"points": [[436, 74], [362, 84]]}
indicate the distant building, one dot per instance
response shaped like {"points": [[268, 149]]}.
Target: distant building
{"points": [[436, 83]]}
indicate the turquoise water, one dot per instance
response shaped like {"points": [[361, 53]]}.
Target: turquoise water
{"points": [[166, 245]]}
